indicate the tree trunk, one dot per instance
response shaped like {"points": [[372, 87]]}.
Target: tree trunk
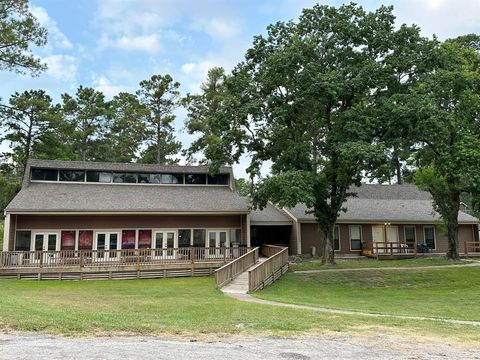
{"points": [[328, 252], [159, 154], [452, 228]]}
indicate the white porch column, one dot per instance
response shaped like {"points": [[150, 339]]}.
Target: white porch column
{"points": [[248, 230], [6, 232], [299, 237]]}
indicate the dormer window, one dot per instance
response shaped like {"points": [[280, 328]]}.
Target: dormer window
{"points": [[44, 175], [72, 175]]}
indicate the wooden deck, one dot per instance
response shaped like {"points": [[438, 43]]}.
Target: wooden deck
{"points": [[115, 264], [389, 250]]}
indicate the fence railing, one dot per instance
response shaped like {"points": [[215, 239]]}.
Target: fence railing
{"points": [[270, 270], [124, 257], [472, 247], [231, 270], [392, 248]]}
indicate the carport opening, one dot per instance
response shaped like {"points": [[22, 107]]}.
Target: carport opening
{"points": [[270, 235]]}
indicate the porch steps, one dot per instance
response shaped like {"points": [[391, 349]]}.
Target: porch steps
{"points": [[239, 285]]}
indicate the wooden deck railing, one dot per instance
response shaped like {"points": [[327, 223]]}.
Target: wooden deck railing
{"points": [[270, 270], [472, 247], [231, 270], [392, 248], [125, 257]]}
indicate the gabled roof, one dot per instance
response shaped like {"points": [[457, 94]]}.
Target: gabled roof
{"points": [[386, 203], [60, 197], [270, 215]]}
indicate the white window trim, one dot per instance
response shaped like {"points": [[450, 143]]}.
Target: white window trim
{"points": [[414, 233], [227, 231], [45, 232], [434, 236], [107, 232], [175, 236], [350, 235]]}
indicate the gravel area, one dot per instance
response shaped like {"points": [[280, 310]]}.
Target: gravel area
{"points": [[35, 346]]}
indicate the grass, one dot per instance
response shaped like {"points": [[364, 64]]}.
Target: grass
{"points": [[316, 264], [452, 293], [186, 307]]}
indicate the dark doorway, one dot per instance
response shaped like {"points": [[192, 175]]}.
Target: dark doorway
{"points": [[270, 235]]}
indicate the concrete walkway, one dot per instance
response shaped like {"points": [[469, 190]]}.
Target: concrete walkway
{"points": [[239, 285], [433, 267]]}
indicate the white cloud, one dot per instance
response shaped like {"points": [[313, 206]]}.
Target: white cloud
{"points": [[104, 85], [55, 36], [196, 72], [62, 67], [148, 43], [218, 28]]}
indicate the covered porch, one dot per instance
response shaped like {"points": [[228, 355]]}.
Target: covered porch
{"points": [[112, 264]]}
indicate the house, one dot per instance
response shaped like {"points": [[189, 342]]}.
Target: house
{"points": [[380, 214], [107, 210]]}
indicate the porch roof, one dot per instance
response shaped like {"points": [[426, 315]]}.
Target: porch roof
{"points": [[58, 197], [269, 215], [386, 203]]}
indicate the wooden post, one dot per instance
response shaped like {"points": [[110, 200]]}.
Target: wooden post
{"points": [[224, 255], [41, 258], [466, 247], [81, 258]]}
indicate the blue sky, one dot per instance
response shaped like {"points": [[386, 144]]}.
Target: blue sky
{"points": [[112, 45]]}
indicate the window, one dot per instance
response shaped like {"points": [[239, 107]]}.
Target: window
{"points": [[144, 239], [199, 237], [172, 179], [194, 179], [184, 237], [44, 174], [410, 237], [129, 178], [99, 176], [355, 237], [336, 238], [67, 240], [429, 236], [22, 242], [221, 179], [128, 239], [72, 175], [85, 240], [149, 178]]}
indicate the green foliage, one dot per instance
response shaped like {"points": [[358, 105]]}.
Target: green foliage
{"points": [[86, 116], [28, 123], [19, 30], [126, 129], [442, 112], [302, 100], [160, 96], [243, 187], [9, 186]]}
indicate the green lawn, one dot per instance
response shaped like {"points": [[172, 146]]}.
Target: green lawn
{"points": [[447, 293], [184, 306], [316, 264]]}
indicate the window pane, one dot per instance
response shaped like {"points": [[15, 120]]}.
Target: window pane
{"points": [[52, 242], [44, 174], [336, 238], [67, 241], [144, 239], [158, 240], [149, 178], [99, 176], [85, 240], [410, 233], [223, 238], [221, 179], [113, 242], [166, 178], [38, 242], [195, 178], [355, 233], [129, 178], [356, 245], [177, 179], [22, 242], [128, 239], [72, 175], [101, 241], [184, 237], [430, 236], [170, 239], [199, 237]]}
